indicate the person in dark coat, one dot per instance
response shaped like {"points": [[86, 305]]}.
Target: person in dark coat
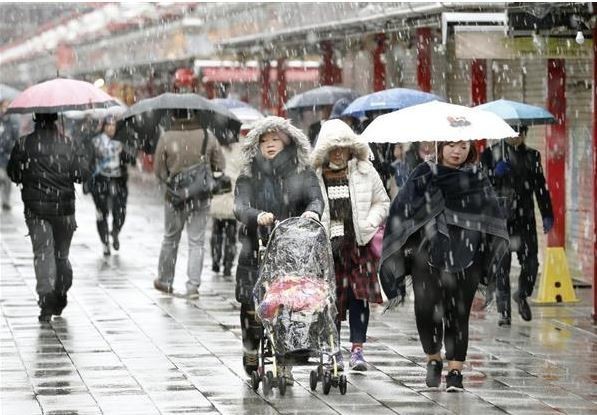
{"points": [[47, 163], [276, 182], [9, 134], [109, 182], [418, 153], [447, 230], [516, 172]]}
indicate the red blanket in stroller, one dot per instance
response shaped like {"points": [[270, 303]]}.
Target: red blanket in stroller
{"points": [[304, 294]]}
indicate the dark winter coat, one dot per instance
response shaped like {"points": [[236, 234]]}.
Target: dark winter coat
{"points": [[520, 184], [47, 164], [454, 214], [9, 134], [287, 186]]}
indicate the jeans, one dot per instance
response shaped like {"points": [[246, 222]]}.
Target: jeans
{"points": [[358, 318], [51, 237], [5, 187], [195, 218], [109, 194], [223, 232]]}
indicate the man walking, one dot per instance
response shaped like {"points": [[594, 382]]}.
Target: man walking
{"points": [[47, 164], [182, 146], [515, 171]]}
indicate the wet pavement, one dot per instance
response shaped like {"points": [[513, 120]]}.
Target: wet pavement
{"points": [[121, 347]]}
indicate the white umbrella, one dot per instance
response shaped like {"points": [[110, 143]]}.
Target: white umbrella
{"points": [[436, 121], [98, 113]]}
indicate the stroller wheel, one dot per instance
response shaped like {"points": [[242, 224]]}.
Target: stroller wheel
{"points": [[255, 380], [282, 385], [313, 380], [327, 383], [342, 384], [268, 382]]}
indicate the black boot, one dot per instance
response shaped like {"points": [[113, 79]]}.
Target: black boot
{"points": [[47, 306], [60, 304], [115, 241], [504, 319], [523, 308]]}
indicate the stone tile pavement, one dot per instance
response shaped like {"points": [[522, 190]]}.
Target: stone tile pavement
{"points": [[122, 347]]}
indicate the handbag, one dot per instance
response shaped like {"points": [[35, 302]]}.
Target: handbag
{"points": [[376, 243], [194, 182]]}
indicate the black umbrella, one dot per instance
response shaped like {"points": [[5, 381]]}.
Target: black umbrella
{"points": [[147, 115], [325, 95]]}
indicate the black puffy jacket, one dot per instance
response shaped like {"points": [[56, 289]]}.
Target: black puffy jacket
{"points": [[47, 164]]}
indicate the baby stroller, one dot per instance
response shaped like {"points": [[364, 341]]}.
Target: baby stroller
{"points": [[295, 299]]}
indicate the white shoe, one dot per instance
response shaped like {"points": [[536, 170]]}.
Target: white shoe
{"points": [[287, 373]]}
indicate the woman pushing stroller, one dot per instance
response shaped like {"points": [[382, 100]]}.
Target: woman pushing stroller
{"points": [[276, 182]]}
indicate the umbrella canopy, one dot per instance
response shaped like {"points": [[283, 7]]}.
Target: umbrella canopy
{"points": [[246, 113], [8, 93], [59, 95], [325, 95], [437, 121], [518, 113], [388, 100], [116, 111], [146, 115]]}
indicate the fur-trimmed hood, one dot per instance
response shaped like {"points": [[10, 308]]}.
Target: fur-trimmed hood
{"points": [[250, 146], [336, 133]]}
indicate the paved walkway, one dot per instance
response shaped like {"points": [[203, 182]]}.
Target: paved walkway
{"points": [[122, 347]]}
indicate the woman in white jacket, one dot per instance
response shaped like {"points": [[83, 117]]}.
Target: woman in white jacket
{"points": [[356, 205]]}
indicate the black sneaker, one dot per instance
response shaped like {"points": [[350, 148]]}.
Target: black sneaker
{"points": [[504, 319], [454, 381], [215, 268], [115, 241], [523, 308], [434, 373]]}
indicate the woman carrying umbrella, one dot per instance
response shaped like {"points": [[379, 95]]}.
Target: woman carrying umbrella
{"points": [[276, 182], [448, 232], [356, 205]]}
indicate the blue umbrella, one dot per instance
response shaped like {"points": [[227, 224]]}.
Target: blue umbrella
{"points": [[517, 113], [388, 100]]}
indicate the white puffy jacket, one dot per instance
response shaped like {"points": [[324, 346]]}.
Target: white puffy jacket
{"points": [[368, 197]]}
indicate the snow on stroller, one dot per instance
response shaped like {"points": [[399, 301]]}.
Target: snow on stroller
{"points": [[295, 300]]}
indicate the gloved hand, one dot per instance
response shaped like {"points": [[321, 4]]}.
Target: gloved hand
{"points": [[547, 224], [502, 168], [393, 303], [310, 215]]}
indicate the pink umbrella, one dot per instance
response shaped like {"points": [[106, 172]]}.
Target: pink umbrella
{"points": [[60, 95]]}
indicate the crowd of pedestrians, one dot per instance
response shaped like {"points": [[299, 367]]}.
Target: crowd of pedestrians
{"points": [[451, 225]]}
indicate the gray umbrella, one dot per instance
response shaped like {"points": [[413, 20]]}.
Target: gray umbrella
{"points": [[325, 95], [150, 112], [8, 92]]}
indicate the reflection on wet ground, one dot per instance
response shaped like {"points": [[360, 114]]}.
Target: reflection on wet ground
{"points": [[122, 347]]}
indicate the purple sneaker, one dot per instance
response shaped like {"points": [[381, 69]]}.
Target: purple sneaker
{"points": [[357, 360]]}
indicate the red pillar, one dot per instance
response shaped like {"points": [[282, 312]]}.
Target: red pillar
{"points": [[479, 91], [424, 59], [329, 73], [379, 64], [281, 80], [595, 167], [556, 150], [265, 97]]}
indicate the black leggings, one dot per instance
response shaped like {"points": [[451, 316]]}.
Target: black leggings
{"points": [[109, 195], [252, 329], [223, 232], [443, 303]]}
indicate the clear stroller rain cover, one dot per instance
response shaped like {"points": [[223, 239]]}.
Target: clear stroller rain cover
{"points": [[295, 294]]}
